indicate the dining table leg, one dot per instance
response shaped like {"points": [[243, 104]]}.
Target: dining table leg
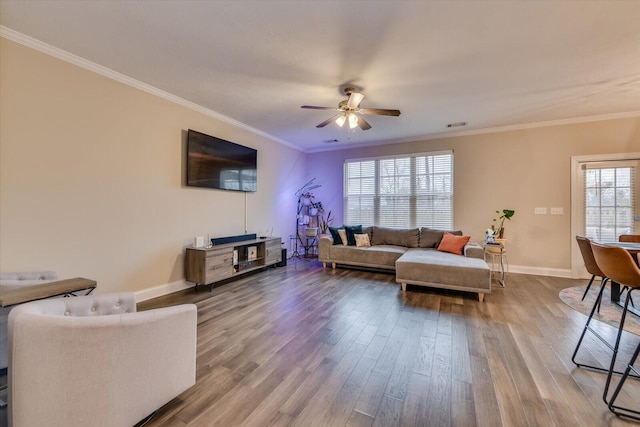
{"points": [[615, 292]]}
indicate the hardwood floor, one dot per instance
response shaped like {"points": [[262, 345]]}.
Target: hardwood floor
{"points": [[303, 346]]}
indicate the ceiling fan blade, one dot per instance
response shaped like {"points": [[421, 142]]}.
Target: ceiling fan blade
{"points": [[355, 99], [363, 123], [379, 111], [326, 122], [318, 108]]}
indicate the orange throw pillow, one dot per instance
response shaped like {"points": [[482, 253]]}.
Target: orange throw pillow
{"points": [[453, 244]]}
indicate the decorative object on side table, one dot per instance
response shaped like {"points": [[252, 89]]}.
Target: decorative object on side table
{"points": [[506, 214]]}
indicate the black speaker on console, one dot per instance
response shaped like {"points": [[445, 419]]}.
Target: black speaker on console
{"points": [[283, 261], [233, 239]]}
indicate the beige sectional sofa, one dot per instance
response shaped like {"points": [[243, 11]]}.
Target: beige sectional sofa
{"points": [[413, 254]]}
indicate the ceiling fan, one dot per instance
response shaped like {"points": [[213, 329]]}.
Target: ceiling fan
{"points": [[350, 111]]}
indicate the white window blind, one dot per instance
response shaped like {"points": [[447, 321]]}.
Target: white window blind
{"points": [[609, 199], [400, 192]]}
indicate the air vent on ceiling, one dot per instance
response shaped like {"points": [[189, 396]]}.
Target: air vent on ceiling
{"points": [[456, 124]]}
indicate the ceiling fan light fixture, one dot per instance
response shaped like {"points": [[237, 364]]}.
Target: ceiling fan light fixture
{"points": [[353, 121], [349, 111]]}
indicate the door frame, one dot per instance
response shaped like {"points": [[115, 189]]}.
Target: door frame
{"points": [[577, 192]]}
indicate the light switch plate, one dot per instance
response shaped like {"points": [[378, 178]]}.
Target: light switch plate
{"points": [[557, 211], [540, 211]]}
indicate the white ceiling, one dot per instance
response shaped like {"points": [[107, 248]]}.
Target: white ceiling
{"points": [[489, 63]]}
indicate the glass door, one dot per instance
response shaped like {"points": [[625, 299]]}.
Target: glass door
{"points": [[604, 200], [609, 199]]}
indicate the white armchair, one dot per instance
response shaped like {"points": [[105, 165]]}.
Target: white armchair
{"points": [[94, 360]]}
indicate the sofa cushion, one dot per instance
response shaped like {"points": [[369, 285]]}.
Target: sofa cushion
{"points": [[430, 237], [453, 244], [362, 240], [398, 237], [369, 231], [352, 230], [335, 235], [383, 256]]}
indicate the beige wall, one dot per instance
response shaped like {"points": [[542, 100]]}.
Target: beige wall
{"points": [[92, 177], [517, 170]]}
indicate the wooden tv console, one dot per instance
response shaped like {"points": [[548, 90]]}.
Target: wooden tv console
{"points": [[204, 266]]}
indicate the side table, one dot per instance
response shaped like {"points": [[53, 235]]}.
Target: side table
{"points": [[498, 255]]}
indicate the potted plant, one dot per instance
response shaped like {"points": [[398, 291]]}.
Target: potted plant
{"points": [[324, 222], [311, 232], [506, 214]]}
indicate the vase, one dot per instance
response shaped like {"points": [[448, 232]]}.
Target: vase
{"points": [[313, 211], [311, 232]]}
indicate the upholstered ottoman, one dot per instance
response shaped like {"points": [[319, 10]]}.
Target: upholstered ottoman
{"points": [[432, 268]]}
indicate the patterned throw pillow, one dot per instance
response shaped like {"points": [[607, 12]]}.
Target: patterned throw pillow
{"points": [[343, 236], [362, 240], [453, 244]]}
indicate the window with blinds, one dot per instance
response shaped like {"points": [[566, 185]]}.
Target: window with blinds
{"points": [[609, 199], [400, 192]]}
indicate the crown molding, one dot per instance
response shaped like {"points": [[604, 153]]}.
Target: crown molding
{"points": [[533, 125], [497, 129], [69, 57]]}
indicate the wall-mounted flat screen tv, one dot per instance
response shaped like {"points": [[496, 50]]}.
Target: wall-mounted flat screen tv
{"points": [[215, 163]]}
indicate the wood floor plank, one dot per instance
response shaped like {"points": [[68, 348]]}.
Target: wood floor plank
{"points": [[269, 408], [307, 346], [511, 408], [389, 412], [462, 408], [485, 399], [528, 392], [404, 364], [318, 406], [414, 400], [346, 399], [437, 408], [372, 393]]}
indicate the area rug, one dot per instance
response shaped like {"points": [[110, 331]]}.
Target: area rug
{"points": [[609, 313]]}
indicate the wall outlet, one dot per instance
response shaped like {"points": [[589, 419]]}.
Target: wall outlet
{"points": [[557, 211], [540, 211]]}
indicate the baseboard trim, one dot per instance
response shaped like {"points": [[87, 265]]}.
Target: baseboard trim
{"points": [[540, 271], [160, 290], [179, 285]]}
